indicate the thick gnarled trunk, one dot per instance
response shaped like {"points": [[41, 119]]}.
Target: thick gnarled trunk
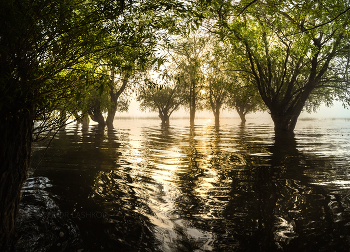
{"points": [[165, 121], [15, 149], [285, 122]]}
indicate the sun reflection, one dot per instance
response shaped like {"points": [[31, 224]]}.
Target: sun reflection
{"points": [[208, 121], [338, 183]]}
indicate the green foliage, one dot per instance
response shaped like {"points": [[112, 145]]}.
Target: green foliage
{"points": [[164, 99], [226, 85], [51, 53], [186, 56], [289, 49]]}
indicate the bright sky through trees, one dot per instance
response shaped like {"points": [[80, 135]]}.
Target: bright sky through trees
{"points": [[335, 111]]}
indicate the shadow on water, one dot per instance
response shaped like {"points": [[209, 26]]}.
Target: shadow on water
{"points": [[259, 198], [201, 188], [272, 206], [76, 199]]}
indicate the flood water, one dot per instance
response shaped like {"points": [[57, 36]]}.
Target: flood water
{"points": [[141, 187]]}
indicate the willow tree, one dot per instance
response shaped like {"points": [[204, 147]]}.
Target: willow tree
{"points": [[164, 100], [244, 98], [215, 92], [44, 46], [187, 53], [289, 49], [226, 86]]}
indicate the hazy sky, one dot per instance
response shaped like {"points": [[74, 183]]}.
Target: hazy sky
{"points": [[336, 111]]}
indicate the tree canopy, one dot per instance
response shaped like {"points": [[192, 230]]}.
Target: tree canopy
{"points": [[50, 59], [290, 49]]}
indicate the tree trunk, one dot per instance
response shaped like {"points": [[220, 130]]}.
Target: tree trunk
{"points": [[163, 115], [192, 116], [63, 118], [217, 118], [114, 96], [192, 103], [111, 114], [284, 122], [95, 112], [85, 121], [15, 149], [192, 110], [114, 99], [241, 114], [165, 121]]}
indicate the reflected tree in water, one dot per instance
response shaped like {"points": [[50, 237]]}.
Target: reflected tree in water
{"points": [[98, 197]]}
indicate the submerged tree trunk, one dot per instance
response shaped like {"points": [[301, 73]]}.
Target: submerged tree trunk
{"points": [[163, 115], [165, 121], [15, 149], [215, 107], [85, 121], [192, 105], [285, 122], [114, 96], [217, 117], [95, 112], [242, 116], [241, 113], [111, 114]]}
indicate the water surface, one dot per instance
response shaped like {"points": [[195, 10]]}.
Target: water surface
{"points": [[141, 187]]}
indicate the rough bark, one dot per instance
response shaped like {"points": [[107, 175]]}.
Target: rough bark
{"points": [[15, 148]]}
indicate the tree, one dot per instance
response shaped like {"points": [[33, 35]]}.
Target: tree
{"points": [[163, 99], [108, 99], [216, 78], [42, 45], [114, 94], [187, 54], [216, 93], [45, 48], [244, 98], [225, 87], [289, 49], [137, 38]]}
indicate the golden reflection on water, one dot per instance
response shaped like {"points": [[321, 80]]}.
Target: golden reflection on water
{"points": [[207, 188]]}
